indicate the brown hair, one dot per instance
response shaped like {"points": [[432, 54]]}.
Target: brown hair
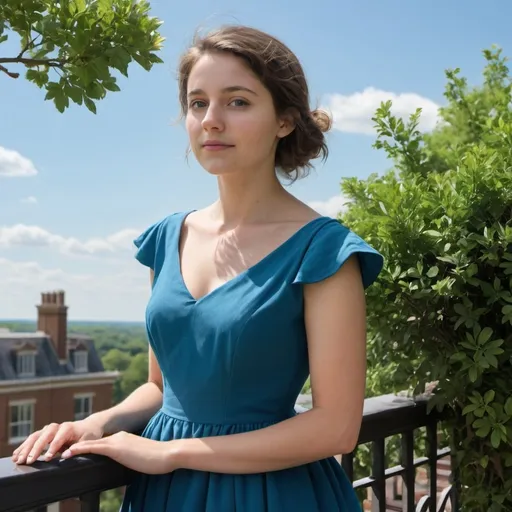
{"points": [[281, 73]]}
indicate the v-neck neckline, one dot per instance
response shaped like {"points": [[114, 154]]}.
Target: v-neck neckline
{"points": [[242, 274]]}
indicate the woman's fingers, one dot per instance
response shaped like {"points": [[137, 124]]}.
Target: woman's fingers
{"points": [[55, 437], [98, 446], [22, 451], [64, 436], [20, 454], [46, 436]]}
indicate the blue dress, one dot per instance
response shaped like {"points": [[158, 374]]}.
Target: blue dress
{"points": [[234, 361]]}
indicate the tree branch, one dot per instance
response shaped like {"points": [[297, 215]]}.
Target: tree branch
{"points": [[27, 46], [9, 73], [53, 63]]}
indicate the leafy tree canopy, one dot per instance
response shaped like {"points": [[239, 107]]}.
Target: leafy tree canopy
{"points": [[442, 309], [71, 48]]}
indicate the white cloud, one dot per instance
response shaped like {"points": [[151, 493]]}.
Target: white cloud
{"points": [[32, 273], [14, 165], [330, 207], [29, 200], [35, 236], [121, 295], [353, 113]]}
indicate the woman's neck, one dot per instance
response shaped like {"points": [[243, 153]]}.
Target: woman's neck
{"points": [[247, 198]]}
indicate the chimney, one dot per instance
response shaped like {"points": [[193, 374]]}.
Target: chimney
{"points": [[52, 319]]}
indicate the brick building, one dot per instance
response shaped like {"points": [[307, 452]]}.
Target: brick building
{"points": [[48, 376]]}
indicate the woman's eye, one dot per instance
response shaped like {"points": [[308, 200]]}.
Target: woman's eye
{"points": [[197, 104], [239, 103]]}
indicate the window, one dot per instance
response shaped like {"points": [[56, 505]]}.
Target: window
{"points": [[21, 420], [80, 361], [26, 364], [83, 406]]}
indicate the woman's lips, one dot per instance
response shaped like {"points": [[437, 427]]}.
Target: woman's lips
{"points": [[216, 146]]}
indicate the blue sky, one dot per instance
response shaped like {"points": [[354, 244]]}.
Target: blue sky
{"points": [[76, 188]]}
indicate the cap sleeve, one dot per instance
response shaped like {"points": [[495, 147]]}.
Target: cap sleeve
{"points": [[330, 248], [148, 244]]}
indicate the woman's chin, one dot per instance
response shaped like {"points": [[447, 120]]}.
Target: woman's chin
{"points": [[219, 169]]}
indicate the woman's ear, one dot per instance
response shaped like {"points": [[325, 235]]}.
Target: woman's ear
{"points": [[287, 123]]}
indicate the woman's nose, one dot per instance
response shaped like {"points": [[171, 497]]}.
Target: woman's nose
{"points": [[213, 119]]}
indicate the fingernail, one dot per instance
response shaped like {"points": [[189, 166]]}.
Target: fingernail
{"points": [[48, 455], [30, 458], [66, 454]]}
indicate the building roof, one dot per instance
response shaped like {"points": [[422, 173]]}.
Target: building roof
{"points": [[47, 361]]}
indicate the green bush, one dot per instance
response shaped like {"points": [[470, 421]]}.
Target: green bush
{"points": [[442, 308]]}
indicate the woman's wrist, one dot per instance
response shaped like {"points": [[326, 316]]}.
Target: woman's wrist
{"points": [[179, 451], [104, 420]]}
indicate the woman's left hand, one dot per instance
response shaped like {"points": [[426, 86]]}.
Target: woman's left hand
{"points": [[134, 452]]}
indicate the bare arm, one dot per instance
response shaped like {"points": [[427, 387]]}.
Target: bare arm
{"points": [[335, 315], [134, 412]]}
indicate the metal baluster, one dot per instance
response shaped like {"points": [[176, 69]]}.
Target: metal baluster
{"points": [[432, 463], [378, 473], [90, 502], [455, 478], [347, 462], [409, 475]]}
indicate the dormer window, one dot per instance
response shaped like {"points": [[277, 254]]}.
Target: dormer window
{"points": [[80, 361], [26, 363]]}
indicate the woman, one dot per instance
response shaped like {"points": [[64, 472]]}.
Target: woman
{"points": [[249, 296]]}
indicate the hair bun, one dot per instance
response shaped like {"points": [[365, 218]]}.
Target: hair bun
{"points": [[322, 119]]}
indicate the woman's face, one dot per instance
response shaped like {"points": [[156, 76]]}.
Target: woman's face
{"points": [[231, 120]]}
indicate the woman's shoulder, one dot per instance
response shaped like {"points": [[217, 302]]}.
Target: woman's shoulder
{"points": [[153, 240], [330, 246]]}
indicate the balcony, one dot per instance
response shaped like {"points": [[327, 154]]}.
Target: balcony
{"points": [[419, 483]]}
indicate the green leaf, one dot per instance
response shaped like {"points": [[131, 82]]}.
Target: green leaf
{"points": [[491, 359], [473, 374], [95, 90], [90, 104], [40, 78], [433, 271], [483, 427], [495, 438], [489, 396], [100, 66], [469, 408], [75, 93], [104, 7], [80, 5], [494, 344], [432, 233], [110, 85], [508, 406], [146, 64], [484, 335], [61, 102], [479, 413]]}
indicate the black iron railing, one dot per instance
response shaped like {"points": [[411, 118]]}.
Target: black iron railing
{"points": [[24, 488], [390, 415]]}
